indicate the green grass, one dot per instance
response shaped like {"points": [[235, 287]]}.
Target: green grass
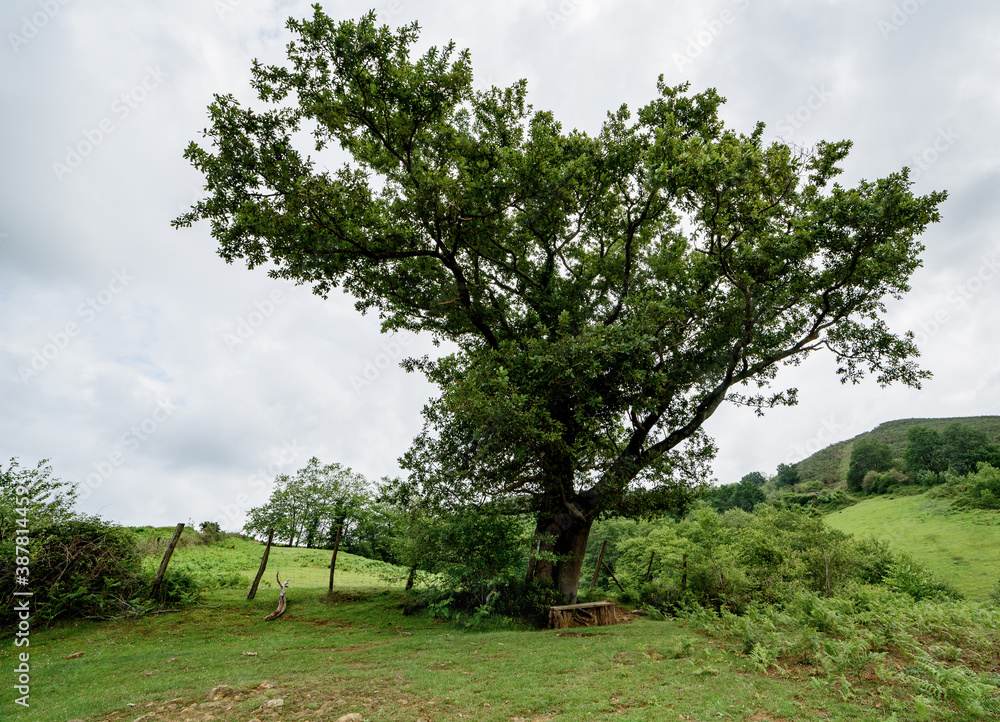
{"points": [[233, 556], [358, 653], [961, 547]]}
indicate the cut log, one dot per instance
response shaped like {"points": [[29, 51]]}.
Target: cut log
{"points": [[282, 604], [590, 614]]}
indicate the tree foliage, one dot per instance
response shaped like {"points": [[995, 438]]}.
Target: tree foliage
{"points": [[867, 455], [607, 291], [75, 566], [744, 495], [924, 450], [754, 477], [787, 475], [33, 494], [308, 507], [961, 444]]}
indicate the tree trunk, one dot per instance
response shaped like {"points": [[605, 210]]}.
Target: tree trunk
{"points": [[564, 534]]}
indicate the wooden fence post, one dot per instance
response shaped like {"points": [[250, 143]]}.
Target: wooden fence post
{"points": [[613, 578], [166, 560], [333, 561], [597, 568], [263, 565]]}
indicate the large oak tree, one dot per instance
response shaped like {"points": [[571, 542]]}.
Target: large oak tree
{"points": [[606, 292]]}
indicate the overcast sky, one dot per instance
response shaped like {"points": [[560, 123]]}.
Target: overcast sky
{"points": [[176, 387]]}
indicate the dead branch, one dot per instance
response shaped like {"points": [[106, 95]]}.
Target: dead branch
{"points": [[282, 603]]}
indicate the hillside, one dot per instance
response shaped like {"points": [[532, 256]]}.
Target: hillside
{"points": [[960, 547], [829, 465]]}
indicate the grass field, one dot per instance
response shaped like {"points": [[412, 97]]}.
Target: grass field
{"points": [[961, 547], [358, 653], [235, 557]]}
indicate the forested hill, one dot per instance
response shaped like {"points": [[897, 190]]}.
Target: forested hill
{"points": [[830, 464]]}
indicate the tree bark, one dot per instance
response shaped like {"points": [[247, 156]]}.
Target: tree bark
{"points": [[565, 534]]}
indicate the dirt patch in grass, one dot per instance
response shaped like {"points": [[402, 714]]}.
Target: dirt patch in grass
{"points": [[286, 703]]}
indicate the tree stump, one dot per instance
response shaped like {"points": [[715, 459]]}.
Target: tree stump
{"points": [[591, 614]]}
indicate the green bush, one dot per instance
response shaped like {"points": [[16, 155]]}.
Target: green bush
{"points": [[735, 560], [982, 489], [909, 577], [529, 601], [468, 554], [178, 586], [79, 567]]}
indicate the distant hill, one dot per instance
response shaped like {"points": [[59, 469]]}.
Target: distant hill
{"points": [[829, 465]]}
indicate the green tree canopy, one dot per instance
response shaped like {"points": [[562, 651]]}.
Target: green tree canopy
{"points": [[961, 445], [744, 495], [924, 450], [787, 475], [755, 478], [607, 292], [868, 454], [308, 507], [33, 496]]}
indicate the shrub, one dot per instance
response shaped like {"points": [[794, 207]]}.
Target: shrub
{"points": [[178, 586], [469, 553], [529, 601], [875, 482], [80, 567], [982, 489], [909, 577]]}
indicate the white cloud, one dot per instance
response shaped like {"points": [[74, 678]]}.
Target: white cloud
{"points": [[162, 337]]}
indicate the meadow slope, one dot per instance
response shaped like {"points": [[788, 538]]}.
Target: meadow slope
{"points": [[961, 547]]}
